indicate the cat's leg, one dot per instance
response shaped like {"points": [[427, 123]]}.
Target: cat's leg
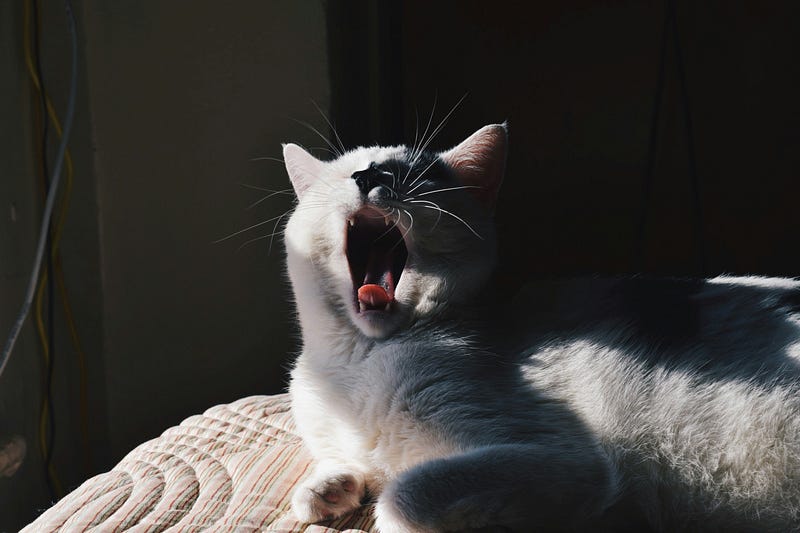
{"points": [[521, 487], [331, 491]]}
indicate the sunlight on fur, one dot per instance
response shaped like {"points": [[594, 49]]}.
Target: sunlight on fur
{"points": [[585, 404]]}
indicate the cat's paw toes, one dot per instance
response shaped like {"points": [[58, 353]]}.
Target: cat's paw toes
{"points": [[327, 496]]}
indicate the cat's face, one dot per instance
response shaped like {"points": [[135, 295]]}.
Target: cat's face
{"points": [[382, 237]]}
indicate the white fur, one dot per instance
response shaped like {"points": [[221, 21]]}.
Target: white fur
{"points": [[451, 434]]}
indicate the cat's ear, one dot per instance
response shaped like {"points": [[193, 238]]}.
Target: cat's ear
{"points": [[480, 161], [303, 168]]}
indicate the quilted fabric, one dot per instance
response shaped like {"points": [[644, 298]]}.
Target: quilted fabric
{"points": [[231, 469]]}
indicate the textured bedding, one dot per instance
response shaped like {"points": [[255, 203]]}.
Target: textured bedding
{"points": [[232, 468]]}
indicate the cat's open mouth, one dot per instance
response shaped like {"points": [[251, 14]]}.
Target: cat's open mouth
{"points": [[377, 255]]}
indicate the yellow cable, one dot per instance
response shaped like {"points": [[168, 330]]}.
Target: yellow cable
{"points": [[44, 413], [58, 270], [83, 388]]}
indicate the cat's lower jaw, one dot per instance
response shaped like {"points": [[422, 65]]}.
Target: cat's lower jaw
{"points": [[378, 324], [330, 492]]}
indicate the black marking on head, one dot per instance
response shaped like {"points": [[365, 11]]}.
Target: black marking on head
{"points": [[423, 173], [374, 176]]}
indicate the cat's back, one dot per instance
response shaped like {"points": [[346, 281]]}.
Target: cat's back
{"points": [[733, 325], [692, 386]]}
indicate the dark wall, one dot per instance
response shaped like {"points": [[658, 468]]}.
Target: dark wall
{"points": [[642, 139]]}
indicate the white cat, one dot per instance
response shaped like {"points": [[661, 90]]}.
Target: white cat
{"points": [[585, 405]]}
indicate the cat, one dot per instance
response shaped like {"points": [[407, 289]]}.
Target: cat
{"points": [[586, 404]]}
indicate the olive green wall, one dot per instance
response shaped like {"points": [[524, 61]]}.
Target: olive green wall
{"points": [[184, 95], [175, 101]]}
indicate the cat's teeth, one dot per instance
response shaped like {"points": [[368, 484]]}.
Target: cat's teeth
{"points": [[386, 220], [362, 307], [351, 221], [387, 306]]}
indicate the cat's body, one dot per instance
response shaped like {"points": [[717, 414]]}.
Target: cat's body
{"points": [[583, 404]]}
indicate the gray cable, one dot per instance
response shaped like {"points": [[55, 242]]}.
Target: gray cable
{"points": [[51, 195]]}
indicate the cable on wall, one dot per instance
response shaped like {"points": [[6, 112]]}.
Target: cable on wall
{"points": [[47, 422], [670, 31], [652, 149], [54, 261], [694, 181], [59, 226], [48, 212], [48, 418], [52, 192]]}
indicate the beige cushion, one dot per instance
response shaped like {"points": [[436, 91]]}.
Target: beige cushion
{"points": [[233, 468]]}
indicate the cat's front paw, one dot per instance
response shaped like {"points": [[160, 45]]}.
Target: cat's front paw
{"points": [[328, 494]]}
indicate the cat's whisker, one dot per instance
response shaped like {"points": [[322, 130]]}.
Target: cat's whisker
{"points": [[322, 195], [321, 136], [323, 180], [436, 131], [397, 222], [376, 217], [275, 230], [447, 189], [333, 129], [252, 241], [308, 207], [267, 197], [394, 179], [264, 189], [436, 224], [424, 146], [268, 158], [412, 189], [391, 213], [323, 149], [414, 156], [410, 225], [416, 128], [416, 150], [431, 205], [244, 230]]}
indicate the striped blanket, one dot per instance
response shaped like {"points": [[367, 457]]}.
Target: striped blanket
{"points": [[231, 469]]}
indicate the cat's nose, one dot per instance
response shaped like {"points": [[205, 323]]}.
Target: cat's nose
{"points": [[373, 177], [364, 181]]}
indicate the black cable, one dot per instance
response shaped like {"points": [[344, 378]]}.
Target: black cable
{"points": [[670, 28], [649, 176], [47, 396], [697, 207]]}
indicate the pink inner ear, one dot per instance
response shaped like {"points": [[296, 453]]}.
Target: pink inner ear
{"points": [[480, 161], [302, 167]]}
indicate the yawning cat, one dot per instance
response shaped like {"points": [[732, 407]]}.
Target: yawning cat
{"points": [[584, 405]]}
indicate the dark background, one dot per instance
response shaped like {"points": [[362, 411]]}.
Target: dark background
{"points": [[652, 137], [645, 137]]}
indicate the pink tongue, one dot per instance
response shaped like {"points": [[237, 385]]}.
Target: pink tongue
{"points": [[373, 296]]}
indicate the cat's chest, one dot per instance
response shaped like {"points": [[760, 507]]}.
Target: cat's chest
{"points": [[360, 411]]}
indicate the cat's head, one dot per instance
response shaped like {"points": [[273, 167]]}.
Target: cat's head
{"points": [[384, 236]]}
